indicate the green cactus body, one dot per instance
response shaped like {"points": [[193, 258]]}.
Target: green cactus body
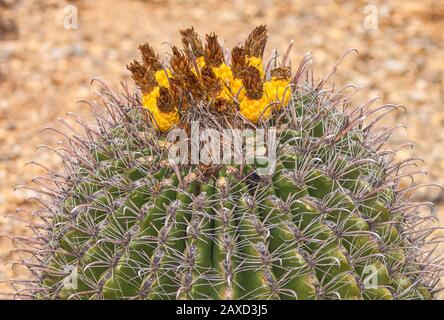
{"points": [[330, 222]]}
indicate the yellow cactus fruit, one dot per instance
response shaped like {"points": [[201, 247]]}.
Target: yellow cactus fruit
{"points": [[225, 75], [278, 91], [255, 110], [255, 105], [223, 72], [200, 61], [164, 119], [278, 88], [162, 78], [257, 63]]}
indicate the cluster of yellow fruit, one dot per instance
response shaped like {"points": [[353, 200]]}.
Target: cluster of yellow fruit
{"points": [[200, 73], [163, 120]]}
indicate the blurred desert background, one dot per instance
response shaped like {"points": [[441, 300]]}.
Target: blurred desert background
{"points": [[45, 68]]}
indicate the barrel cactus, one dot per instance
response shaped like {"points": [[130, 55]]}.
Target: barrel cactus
{"points": [[323, 216]]}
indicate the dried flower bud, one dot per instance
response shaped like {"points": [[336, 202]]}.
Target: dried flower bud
{"points": [[222, 106], [165, 101], [144, 79], [149, 58], [256, 41], [213, 54], [192, 86], [252, 82], [281, 73], [180, 64], [191, 41], [238, 61], [210, 82]]}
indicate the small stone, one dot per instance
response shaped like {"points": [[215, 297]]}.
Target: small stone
{"points": [[395, 66]]}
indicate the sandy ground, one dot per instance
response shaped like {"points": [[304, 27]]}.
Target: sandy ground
{"points": [[45, 68]]}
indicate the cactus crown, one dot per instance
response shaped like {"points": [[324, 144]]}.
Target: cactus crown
{"points": [[334, 220], [202, 75]]}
